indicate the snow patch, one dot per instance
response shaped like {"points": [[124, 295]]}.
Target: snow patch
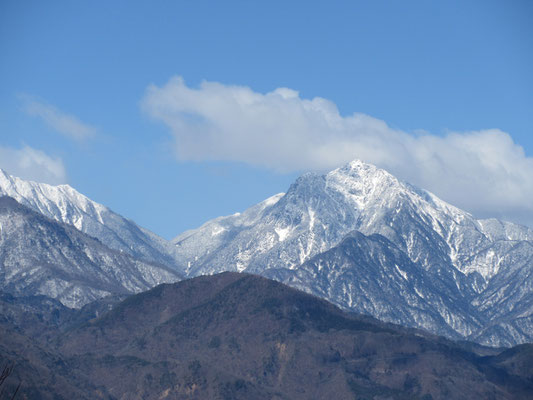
{"points": [[217, 230], [273, 199], [282, 233]]}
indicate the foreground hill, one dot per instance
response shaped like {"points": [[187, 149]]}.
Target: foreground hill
{"points": [[237, 336], [457, 275]]}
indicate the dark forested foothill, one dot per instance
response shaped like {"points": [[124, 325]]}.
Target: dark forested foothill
{"points": [[237, 336]]}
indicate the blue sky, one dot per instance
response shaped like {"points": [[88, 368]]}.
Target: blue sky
{"points": [[169, 112]]}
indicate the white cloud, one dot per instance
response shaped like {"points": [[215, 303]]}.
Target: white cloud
{"points": [[66, 124], [31, 164], [484, 172]]}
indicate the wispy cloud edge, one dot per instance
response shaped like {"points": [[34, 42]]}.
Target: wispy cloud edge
{"points": [[66, 124], [32, 164]]}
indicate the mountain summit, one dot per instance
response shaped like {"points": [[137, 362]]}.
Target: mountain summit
{"points": [[64, 204], [457, 275]]}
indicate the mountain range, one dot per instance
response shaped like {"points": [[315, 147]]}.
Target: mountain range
{"points": [[356, 236]]}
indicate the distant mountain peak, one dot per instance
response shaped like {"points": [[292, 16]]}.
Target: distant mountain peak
{"points": [[65, 204], [463, 264], [364, 171]]}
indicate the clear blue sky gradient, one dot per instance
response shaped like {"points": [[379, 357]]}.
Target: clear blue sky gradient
{"points": [[435, 66]]}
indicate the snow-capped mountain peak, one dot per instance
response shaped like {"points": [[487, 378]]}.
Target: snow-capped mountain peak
{"points": [[65, 204], [464, 258], [61, 202]]}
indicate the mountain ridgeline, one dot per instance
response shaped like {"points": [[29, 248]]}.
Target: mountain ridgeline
{"points": [[40, 256], [64, 204], [356, 236]]}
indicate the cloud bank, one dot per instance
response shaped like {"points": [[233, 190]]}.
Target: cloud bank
{"points": [[31, 164], [483, 172], [66, 124]]}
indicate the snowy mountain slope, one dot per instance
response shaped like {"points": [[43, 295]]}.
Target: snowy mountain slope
{"points": [[373, 276], [215, 234], [284, 230], [39, 256], [318, 211], [466, 260], [65, 204], [369, 274]]}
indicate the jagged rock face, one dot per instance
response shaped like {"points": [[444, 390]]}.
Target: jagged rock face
{"points": [[39, 256], [469, 266], [64, 204]]}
